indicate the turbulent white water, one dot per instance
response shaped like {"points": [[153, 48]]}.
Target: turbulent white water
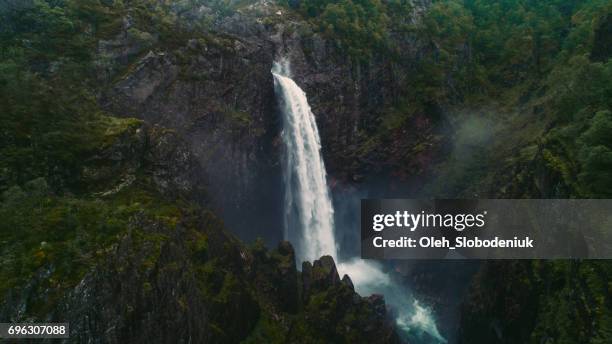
{"points": [[309, 213]]}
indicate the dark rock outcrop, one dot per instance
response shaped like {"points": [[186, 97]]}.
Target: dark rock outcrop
{"points": [[346, 280], [319, 275], [328, 300], [276, 276]]}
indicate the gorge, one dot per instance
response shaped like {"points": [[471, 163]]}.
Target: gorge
{"points": [[158, 184]]}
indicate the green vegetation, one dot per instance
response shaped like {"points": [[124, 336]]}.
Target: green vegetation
{"points": [[527, 82], [580, 307], [57, 222], [538, 57], [506, 59], [49, 242], [536, 75], [48, 112], [360, 27], [526, 85], [492, 46], [540, 302]]}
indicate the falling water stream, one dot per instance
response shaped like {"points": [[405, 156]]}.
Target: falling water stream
{"points": [[309, 213]]}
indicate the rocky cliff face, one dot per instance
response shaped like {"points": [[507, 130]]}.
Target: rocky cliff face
{"points": [[192, 282], [204, 286], [217, 92], [163, 269]]}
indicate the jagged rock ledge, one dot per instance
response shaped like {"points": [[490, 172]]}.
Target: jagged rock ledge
{"points": [[194, 282]]}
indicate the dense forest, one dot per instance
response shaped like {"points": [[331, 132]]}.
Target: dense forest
{"points": [[547, 58], [89, 189]]}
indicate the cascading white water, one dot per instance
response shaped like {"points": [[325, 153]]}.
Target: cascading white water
{"points": [[306, 195], [309, 213]]}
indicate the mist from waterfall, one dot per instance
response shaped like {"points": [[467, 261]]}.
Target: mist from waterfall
{"points": [[309, 213]]}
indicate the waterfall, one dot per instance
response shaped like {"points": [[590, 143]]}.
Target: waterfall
{"points": [[309, 213]]}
